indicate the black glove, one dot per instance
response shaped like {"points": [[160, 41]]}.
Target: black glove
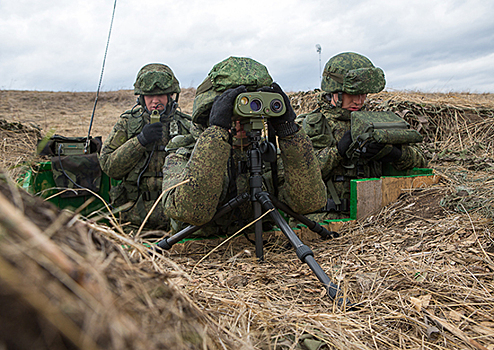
{"points": [[344, 143], [222, 110], [371, 149], [392, 156], [150, 133], [284, 125]]}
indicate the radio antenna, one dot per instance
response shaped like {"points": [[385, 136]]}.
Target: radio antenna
{"points": [[100, 79], [319, 49]]}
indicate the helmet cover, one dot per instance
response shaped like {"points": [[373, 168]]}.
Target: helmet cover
{"points": [[352, 73], [156, 79], [227, 74]]}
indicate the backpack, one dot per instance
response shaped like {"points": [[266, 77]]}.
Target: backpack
{"points": [[74, 163]]}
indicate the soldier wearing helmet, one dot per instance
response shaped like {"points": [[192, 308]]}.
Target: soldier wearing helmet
{"points": [[216, 169], [135, 149], [347, 79]]}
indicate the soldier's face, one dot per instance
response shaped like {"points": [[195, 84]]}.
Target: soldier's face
{"points": [[241, 134], [352, 102], [156, 102], [240, 138]]}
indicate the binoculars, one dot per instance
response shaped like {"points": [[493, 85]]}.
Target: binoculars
{"points": [[259, 105]]}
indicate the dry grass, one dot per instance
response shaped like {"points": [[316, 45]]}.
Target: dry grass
{"points": [[69, 113], [420, 272]]}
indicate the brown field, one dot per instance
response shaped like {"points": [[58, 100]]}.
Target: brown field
{"points": [[421, 270]]}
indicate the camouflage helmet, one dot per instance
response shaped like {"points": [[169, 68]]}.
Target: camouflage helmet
{"points": [[156, 79], [352, 73], [227, 74]]}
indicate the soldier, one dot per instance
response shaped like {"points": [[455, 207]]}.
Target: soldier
{"points": [[347, 79], [135, 150], [216, 165]]}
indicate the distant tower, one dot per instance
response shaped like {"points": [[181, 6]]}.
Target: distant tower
{"points": [[319, 49]]}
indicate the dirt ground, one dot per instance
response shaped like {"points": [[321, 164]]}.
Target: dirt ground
{"points": [[420, 272]]}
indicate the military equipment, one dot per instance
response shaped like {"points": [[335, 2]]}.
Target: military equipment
{"points": [[380, 127], [73, 166], [263, 201], [73, 174], [352, 73], [155, 116], [64, 146], [259, 105], [70, 148]]}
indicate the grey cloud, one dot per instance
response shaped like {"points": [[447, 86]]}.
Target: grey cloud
{"points": [[429, 45]]}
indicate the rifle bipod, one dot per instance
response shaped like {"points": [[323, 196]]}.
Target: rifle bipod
{"points": [[262, 200]]}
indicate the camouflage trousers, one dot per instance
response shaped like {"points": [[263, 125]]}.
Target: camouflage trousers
{"points": [[157, 220]]}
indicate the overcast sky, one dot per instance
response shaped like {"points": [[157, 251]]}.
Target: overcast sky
{"points": [[424, 45]]}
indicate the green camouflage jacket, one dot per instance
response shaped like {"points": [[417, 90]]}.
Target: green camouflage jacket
{"points": [[207, 163], [124, 158], [325, 126]]}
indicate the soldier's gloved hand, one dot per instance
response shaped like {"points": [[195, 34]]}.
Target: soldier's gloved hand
{"points": [[150, 133], [371, 149], [344, 143], [284, 125], [392, 156], [222, 110]]}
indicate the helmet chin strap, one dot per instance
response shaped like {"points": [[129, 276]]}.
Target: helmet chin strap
{"points": [[140, 101], [339, 101]]}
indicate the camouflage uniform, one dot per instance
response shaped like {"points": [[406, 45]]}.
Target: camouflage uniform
{"points": [[326, 125], [139, 167], [215, 172]]}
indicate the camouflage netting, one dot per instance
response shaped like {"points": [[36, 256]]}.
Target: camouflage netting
{"points": [[458, 131], [455, 128], [18, 145]]}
